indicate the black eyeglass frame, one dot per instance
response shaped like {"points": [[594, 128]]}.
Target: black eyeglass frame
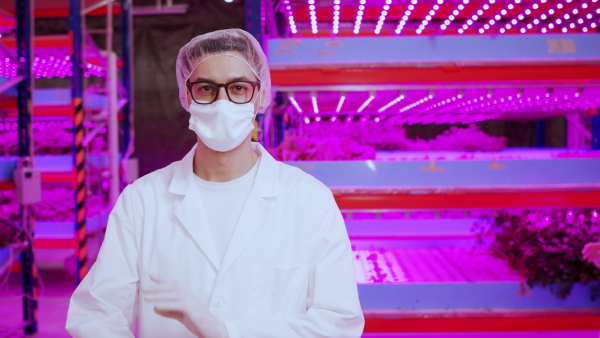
{"points": [[224, 85]]}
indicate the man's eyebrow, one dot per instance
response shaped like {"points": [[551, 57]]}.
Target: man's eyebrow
{"points": [[203, 79], [239, 78]]}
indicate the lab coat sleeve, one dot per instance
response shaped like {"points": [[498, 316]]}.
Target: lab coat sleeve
{"points": [[105, 302], [333, 304]]}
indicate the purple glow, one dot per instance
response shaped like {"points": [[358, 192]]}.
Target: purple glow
{"points": [[366, 103], [293, 101]]}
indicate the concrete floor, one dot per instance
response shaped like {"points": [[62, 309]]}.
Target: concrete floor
{"points": [[58, 285]]}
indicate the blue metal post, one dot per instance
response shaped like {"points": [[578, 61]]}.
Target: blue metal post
{"points": [[78, 133], [540, 133], [255, 22], [24, 107], [126, 78], [596, 131]]}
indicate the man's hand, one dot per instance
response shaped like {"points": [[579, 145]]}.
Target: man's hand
{"points": [[174, 301], [591, 253]]}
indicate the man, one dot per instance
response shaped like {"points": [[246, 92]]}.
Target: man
{"points": [[226, 242]]}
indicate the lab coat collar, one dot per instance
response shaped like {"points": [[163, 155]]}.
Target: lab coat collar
{"points": [[254, 214], [267, 176]]}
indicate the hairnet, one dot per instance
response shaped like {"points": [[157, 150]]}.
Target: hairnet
{"points": [[232, 42]]}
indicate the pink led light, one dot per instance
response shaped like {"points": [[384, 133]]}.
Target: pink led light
{"points": [[504, 12], [293, 101], [290, 16], [314, 104], [313, 16], [340, 103], [366, 103], [558, 21], [384, 13], [414, 104], [454, 14], [475, 17], [359, 16], [582, 22], [406, 16], [336, 16], [396, 100], [430, 16]]}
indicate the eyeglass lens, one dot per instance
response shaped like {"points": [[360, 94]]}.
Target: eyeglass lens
{"points": [[239, 92]]}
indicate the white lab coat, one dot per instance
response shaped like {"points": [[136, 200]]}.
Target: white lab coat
{"points": [[287, 271]]}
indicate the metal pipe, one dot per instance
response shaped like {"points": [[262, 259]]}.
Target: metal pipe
{"points": [[8, 84], [127, 144], [95, 6], [24, 18], [75, 26], [113, 130]]}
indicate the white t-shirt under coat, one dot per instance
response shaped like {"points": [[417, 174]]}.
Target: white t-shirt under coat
{"points": [[222, 203]]}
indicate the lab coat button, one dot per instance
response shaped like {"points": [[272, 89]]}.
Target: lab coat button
{"points": [[218, 302]]}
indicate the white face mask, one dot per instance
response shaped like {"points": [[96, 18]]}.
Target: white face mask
{"points": [[222, 125]]}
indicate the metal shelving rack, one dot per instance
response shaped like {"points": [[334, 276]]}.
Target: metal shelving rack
{"points": [[449, 53], [118, 94]]}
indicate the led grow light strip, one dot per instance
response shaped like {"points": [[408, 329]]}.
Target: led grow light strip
{"points": [[454, 15], [290, 15], [590, 16], [384, 13], [340, 103], [407, 14], [429, 16], [336, 16], [296, 105], [396, 100], [414, 104], [514, 22], [359, 16], [475, 17], [558, 21], [313, 16], [366, 103], [505, 12]]}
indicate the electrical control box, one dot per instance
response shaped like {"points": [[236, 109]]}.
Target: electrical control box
{"points": [[28, 183]]}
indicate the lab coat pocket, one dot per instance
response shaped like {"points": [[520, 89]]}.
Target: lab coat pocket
{"points": [[278, 291]]}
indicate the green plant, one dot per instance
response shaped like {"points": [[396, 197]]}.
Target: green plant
{"points": [[545, 248]]}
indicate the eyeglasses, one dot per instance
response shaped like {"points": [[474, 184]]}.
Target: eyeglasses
{"points": [[206, 92]]}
